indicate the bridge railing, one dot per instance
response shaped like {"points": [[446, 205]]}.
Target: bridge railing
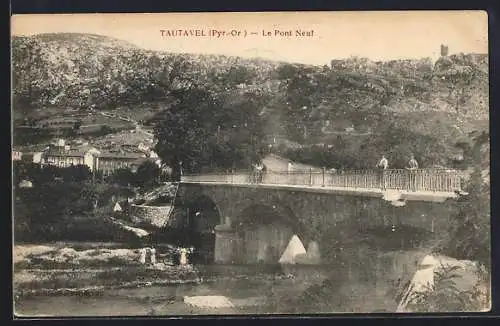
{"points": [[414, 180]]}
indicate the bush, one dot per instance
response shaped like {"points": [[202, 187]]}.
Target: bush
{"points": [[65, 210], [469, 235], [395, 143], [147, 175], [123, 177], [445, 296], [104, 130]]}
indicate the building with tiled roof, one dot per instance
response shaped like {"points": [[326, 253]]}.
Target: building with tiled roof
{"points": [[108, 162], [62, 155], [65, 156]]}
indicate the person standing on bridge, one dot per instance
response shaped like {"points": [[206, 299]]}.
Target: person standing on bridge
{"points": [[382, 165], [412, 169], [255, 173], [260, 169], [412, 164]]}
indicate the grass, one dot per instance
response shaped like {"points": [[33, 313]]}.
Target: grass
{"points": [[61, 267]]}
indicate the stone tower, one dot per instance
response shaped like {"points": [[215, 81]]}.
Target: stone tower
{"points": [[444, 50]]}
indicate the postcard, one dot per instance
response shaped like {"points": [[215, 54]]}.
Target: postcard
{"points": [[184, 164]]}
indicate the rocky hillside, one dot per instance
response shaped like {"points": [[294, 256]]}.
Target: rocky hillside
{"points": [[354, 98], [83, 70]]}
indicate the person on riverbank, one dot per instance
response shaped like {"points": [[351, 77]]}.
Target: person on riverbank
{"points": [[382, 166]]}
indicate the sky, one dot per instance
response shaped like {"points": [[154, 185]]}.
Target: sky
{"points": [[335, 35]]}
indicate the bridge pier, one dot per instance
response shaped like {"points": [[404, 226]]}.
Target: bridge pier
{"points": [[226, 242]]}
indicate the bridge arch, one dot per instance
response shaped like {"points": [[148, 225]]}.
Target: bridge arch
{"points": [[202, 215], [264, 230]]}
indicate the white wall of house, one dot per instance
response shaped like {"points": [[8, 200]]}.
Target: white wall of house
{"points": [[88, 160], [16, 155], [63, 161], [280, 164], [37, 157]]}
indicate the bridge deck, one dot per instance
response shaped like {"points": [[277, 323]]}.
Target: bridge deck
{"points": [[422, 184], [438, 196]]}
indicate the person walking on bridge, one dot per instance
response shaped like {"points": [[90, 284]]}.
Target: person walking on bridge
{"points": [[382, 165]]}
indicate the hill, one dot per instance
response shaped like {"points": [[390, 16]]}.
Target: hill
{"points": [[354, 103], [84, 70]]}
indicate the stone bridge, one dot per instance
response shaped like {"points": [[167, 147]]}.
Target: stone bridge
{"points": [[253, 222]]}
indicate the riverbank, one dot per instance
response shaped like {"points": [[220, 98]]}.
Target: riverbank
{"points": [[107, 279], [61, 267], [74, 268]]}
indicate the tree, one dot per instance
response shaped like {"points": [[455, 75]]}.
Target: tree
{"points": [[76, 173], [147, 174], [25, 170], [469, 232], [68, 132], [210, 130], [77, 125], [47, 174], [238, 75], [123, 177], [104, 130], [183, 128]]}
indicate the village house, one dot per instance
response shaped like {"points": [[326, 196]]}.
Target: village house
{"points": [[62, 155], [33, 157], [109, 162], [17, 155], [65, 156], [143, 148], [29, 154]]}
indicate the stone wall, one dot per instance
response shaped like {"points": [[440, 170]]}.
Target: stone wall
{"points": [[153, 215]]}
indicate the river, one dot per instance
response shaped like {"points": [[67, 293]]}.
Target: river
{"points": [[168, 300], [149, 300], [250, 290]]}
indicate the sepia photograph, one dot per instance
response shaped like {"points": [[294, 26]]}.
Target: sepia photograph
{"points": [[185, 164]]}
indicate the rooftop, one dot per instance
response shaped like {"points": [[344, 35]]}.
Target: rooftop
{"points": [[63, 152], [72, 151], [31, 148], [121, 155]]}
